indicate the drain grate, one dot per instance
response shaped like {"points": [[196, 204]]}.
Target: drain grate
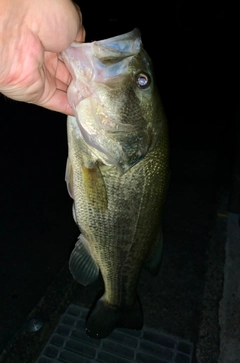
{"points": [[70, 344]]}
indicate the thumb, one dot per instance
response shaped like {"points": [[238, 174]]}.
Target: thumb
{"points": [[81, 35]]}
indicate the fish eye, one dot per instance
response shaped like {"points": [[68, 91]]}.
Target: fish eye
{"points": [[143, 80]]}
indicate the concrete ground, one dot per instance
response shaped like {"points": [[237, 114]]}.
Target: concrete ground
{"points": [[229, 313], [196, 294]]}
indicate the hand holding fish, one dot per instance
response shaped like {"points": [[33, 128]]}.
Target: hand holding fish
{"points": [[32, 34]]}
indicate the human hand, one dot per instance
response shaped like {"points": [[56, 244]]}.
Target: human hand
{"points": [[32, 34]]}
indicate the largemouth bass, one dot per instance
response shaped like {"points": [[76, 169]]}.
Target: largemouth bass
{"points": [[117, 173]]}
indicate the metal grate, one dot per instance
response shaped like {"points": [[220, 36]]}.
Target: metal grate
{"points": [[70, 344]]}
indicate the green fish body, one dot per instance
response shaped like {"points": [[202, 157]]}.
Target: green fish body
{"points": [[117, 174]]}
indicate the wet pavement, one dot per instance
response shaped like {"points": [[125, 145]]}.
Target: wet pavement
{"points": [[37, 231]]}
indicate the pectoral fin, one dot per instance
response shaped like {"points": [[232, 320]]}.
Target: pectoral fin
{"points": [[81, 264], [69, 178], [95, 188]]}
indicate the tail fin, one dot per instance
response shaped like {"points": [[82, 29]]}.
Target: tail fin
{"points": [[103, 319]]}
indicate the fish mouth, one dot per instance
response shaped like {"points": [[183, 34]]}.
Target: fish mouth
{"points": [[100, 61]]}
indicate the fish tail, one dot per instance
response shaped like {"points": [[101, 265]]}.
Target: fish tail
{"points": [[104, 318]]}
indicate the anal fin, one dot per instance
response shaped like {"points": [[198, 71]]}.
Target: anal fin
{"points": [[69, 178], [81, 264]]}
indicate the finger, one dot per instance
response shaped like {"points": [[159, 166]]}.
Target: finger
{"points": [[61, 86], [58, 102], [81, 35], [61, 19], [62, 73]]}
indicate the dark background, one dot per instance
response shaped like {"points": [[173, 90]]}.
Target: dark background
{"points": [[195, 51]]}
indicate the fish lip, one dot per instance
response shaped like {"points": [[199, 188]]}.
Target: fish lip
{"points": [[125, 45], [116, 41]]}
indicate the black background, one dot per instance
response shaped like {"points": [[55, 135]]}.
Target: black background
{"points": [[195, 51]]}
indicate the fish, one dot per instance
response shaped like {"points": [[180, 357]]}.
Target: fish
{"points": [[117, 174]]}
